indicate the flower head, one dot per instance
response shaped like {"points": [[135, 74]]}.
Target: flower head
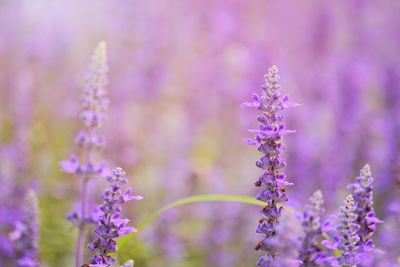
{"points": [[366, 217], [94, 98], [348, 238], [311, 252], [268, 139], [110, 225], [94, 105]]}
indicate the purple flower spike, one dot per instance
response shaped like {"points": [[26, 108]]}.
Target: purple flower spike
{"points": [[366, 218], [268, 139], [94, 99], [311, 251], [94, 104], [110, 225], [348, 238], [89, 140], [26, 233]]}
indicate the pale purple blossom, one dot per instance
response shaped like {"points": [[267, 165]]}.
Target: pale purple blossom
{"points": [[312, 252], [346, 240], [26, 233], [366, 217], [89, 140]]}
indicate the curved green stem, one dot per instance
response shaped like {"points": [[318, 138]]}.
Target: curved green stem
{"points": [[190, 200]]}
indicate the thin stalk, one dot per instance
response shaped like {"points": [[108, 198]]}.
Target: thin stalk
{"points": [[84, 204], [82, 228]]}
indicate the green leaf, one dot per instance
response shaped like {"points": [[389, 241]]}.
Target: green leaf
{"points": [[191, 200], [327, 237]]}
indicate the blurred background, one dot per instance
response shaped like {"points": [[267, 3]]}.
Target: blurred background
{"points": [[179, 71]]}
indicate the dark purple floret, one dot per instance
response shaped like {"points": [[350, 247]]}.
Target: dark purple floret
{"points": [[110, 225], [268, 139]]}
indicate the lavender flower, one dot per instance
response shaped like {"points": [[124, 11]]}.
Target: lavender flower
{"points": [[366, 218], [94, 104], [110, 225], [26, 233], [268, 140], [348, 238], [311, 252], [286, 241], [358, 223]]}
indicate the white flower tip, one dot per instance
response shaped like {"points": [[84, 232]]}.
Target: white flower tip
{"points": [[99, 58], [318, 194], [101, 48], [273, 68], [365, 171]]}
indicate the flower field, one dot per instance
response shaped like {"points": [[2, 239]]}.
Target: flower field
{"points": [[199, 133]]}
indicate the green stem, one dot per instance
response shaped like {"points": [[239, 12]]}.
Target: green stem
{"points": [[189, 200]]}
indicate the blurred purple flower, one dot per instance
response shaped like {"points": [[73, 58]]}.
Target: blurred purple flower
{"points": [[268, 140], [347, 239], [94, 104], [26, 233], [70, 165], [110, 225], [366, 218], [311, 252], [73, 166], [348, 233]]}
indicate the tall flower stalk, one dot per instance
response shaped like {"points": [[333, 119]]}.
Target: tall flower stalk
{"points": [[268, 139], [311, 251], [358, 223], [348, 238], [110, 225], [345, 240], [366, 217], [89, 140], [26, 233]]}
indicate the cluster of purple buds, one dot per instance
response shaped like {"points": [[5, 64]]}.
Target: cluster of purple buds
{"points": [[110, 225], [358, 223], [26, 234], [312, 252], [268, 140], [366, 217], [94, 105], [348, 238], [94, 100]]}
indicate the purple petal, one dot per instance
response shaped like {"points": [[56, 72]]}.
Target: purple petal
{"points": [[70, 165]]}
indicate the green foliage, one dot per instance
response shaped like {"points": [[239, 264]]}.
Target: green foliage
{"points": [[57, 234]]}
